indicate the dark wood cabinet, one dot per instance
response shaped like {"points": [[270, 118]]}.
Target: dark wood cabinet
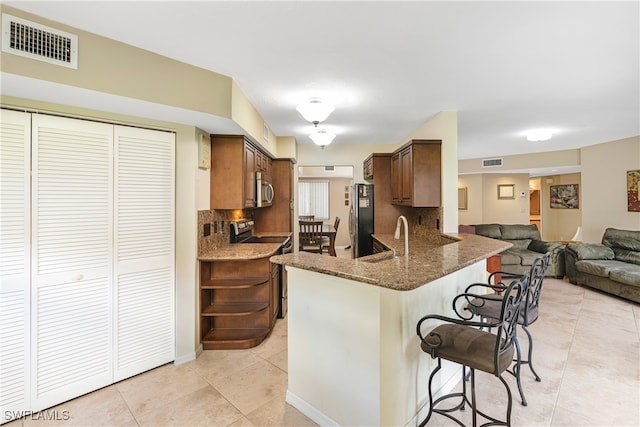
{"points": [[238, 302], [367, 168], [234, 163], [278, 217], [275, 292], [249, 169], [396, 179], [416, 174], [386, 213]]}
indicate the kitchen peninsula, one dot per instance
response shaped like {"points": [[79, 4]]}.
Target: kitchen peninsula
{"points": [[354, 357]]}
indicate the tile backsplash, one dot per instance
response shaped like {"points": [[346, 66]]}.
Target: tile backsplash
{"points": [[423, 222], [218, 224]]}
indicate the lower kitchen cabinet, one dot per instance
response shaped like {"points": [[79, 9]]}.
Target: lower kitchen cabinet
{"points": [[238, 302]]}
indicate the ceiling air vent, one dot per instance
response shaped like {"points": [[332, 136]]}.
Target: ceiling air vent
{"points": [[491, 163], [36, 41]]}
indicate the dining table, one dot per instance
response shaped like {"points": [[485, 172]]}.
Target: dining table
{"points": [[328, 230]]}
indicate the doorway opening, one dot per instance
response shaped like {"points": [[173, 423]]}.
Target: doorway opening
{"points": [[336, 203], [535, 201]]}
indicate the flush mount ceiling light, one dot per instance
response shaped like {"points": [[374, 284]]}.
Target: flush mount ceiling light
{"points": [[539, 135], [322, 137], [315, 110]]}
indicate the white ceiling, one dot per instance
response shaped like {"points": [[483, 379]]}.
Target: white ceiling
{"points": [[388, 66]]}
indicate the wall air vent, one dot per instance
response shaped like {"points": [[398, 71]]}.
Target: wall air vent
{"points": [[329, 168], [36, 41], [491, 163]]}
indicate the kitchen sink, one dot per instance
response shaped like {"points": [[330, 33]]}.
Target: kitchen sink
{"points": [[266, 239]]}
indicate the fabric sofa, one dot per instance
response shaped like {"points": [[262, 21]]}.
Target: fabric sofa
{"points": [[612, 266], [527, 246]]}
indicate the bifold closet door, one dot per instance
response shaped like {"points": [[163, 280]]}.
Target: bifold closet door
{"points": [[15, 148], [144, 250], [71, 258]]}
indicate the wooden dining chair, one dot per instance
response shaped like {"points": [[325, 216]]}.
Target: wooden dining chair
{"points": [[326, 241], [307, 218], [310, 236]]}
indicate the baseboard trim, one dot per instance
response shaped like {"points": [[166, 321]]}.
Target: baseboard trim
{"points": [[309, 410]]}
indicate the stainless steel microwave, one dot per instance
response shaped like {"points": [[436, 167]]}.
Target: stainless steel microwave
{"points": [[264, 190]]}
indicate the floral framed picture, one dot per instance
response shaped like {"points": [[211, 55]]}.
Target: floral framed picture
{"points": [[633, 191], [564, 196]]}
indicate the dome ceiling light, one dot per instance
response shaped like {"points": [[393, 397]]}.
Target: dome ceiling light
{"points": [[315, 111], [322, 137], [539, 135]]}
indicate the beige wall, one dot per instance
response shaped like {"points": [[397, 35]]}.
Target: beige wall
{"points": [[109, 66], [114, 68], [523, 162], [603, 197], [483, 203], [337, 208], [475, 199], [559, 224], [604, 177], [444, 126], [505, 211]]}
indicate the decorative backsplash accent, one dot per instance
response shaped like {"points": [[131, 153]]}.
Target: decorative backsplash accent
{"points": [[218, 222], [425, 222]]}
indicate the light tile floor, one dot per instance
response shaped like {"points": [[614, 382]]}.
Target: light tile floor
{"points": [[587, 351]]}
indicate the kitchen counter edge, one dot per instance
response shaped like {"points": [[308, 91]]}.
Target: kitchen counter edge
{"points": [[426, 262], [244, 251]]}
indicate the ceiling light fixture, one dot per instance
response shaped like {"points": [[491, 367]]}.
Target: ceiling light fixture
{"points": [[315, 110], [539, 135], [322, 137]]}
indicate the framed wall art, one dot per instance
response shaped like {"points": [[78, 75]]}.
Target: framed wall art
{"points": [[633, 191], [462, 198], [506, 191], [564, 196]]}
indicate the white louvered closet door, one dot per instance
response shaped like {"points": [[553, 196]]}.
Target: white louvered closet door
{"points": [[15, 193], [144, 250], [71, 267]]}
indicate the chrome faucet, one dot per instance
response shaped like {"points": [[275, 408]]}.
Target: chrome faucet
{"points": [[403, 220]]}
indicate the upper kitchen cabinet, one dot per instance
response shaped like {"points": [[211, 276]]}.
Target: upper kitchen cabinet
{"points": [[367, 168], [416, 174], [377, 168], [234, 163], [279, 217]]}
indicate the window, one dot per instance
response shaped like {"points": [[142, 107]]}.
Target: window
{"points": [[313, 199]]}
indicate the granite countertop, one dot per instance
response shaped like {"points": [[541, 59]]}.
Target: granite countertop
{"points": [[243, 251], [428, 260]]}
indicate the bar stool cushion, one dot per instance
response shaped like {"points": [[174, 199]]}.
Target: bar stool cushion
{"points": [[468, 346]]}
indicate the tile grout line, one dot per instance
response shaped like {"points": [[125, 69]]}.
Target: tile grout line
{"points": [[564, 368]]}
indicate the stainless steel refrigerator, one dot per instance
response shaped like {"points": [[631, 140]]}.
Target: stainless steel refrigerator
{"points": [[361, 220]]}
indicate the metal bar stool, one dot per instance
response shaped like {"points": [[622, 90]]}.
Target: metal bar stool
{"points": [[463, 341], [489, 310]]}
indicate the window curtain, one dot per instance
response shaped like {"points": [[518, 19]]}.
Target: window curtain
{"points": [[313, 199]]}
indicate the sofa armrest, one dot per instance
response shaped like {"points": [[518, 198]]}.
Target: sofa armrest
{"points": [[544, 247], [590, 251]]}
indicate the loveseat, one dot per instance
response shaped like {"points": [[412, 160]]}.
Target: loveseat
{"points": [[527, 246], [612, 266]]}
